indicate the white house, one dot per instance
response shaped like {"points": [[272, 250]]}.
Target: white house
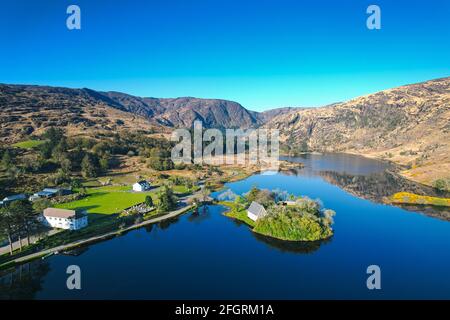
{"points": [[65, 219], [142, 185], [256, 211]]}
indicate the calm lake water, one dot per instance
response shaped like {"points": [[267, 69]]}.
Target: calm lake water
{"points": [[209, 256]]}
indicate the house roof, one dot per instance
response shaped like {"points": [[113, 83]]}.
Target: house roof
{"points": [[50, 190], [44, 193], [257, 209], [143, 183], [62, 213], [15, 197]]}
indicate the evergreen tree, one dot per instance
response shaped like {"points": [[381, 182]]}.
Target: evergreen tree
{"points": [[88, 168], [6, 160], [167, 200], [149, 201]]}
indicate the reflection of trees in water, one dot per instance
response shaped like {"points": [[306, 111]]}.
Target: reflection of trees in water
{"points": [[378, 186], [76, 251], [304, 247], [24, 281], [164, 224], [149, 227], [200, 214]]}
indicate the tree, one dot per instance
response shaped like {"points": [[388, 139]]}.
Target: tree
{"points": [[54, 135], [6, 160], [104, 162], [45, 150], [441, 185], [39, 205], [252, 194], [88, 167], [241, 202], [149, 201], [59, 151], [167, 200], [76, 183], [7, 225], [205, 192], [24, 217]]}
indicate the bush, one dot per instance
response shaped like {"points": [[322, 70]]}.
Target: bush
{"points": [[442, 184]]}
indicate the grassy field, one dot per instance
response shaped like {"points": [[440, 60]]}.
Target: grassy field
{"points": [[108, 200], [28, 144], [411, 198]]}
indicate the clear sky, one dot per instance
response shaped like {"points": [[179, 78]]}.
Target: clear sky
{"points": [[259, 53]]}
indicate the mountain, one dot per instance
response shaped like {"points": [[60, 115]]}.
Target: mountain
{"points": [[214, 113], [409, 125], [182, 112], [268, 115], [26, 108]]}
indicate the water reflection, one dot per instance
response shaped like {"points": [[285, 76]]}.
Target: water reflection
{"points": [[24, 281], [199, 215], [366, 178], [303, 247]]}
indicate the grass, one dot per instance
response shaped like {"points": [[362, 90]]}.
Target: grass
{"points": [[108, 200], [237, 213], [180, 189], [412, 198], [28, 144]]}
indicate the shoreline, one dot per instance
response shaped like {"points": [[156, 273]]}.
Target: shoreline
{"points": [[94, 239]]}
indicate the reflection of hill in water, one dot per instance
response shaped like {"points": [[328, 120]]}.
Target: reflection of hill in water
{"points": [[377, 187], [304, 247], [24, 282]]}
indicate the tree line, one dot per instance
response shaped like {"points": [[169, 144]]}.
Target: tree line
{"points": [[18, 219]]}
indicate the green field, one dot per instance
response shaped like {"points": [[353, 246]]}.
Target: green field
{"points": [[108, 200], [28, 144]]}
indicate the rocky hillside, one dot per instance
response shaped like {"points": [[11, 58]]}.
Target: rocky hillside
{"points": [[409, 125], [182, 112], [25, 109], [268, 115]]}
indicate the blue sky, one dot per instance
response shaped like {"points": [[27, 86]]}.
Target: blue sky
{"points": [[260, 53]]}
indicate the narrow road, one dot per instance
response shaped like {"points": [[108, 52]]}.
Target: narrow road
{"points": [[33, 238]]}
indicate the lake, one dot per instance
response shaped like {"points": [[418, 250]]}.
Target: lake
{"points": [[206, 255]]}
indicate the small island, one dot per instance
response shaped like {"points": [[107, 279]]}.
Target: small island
{"points": [[278, 215]]}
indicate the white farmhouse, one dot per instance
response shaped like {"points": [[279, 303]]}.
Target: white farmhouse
{"points": [[142, 185], [65, 219], [256, 211]]}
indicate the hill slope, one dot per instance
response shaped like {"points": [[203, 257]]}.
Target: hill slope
{"points": [[409, 125], [26, 108]]}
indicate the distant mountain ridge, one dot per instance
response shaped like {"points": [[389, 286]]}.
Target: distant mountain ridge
{"points": [[34, 107]]}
